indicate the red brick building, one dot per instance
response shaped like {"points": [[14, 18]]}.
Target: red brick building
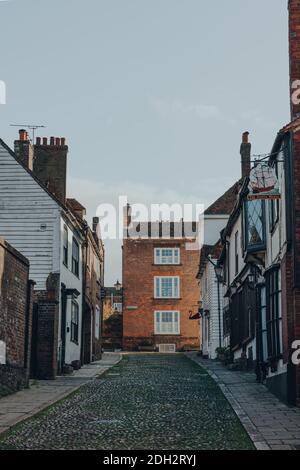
{"points": [[15, 318], [160, 289]]}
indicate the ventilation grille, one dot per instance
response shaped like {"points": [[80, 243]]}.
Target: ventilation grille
{"points": [[167, 348]]}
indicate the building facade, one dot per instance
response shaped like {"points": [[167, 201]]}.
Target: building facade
{"points": [[160, 289], [36, 220], [16, 298]]}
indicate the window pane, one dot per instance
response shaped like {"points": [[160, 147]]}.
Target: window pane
{"points": [[255, 222]]}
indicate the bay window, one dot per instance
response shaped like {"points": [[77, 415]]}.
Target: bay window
{"points": [[254, 225]]}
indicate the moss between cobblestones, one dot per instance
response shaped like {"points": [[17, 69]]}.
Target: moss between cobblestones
{"points": [[147, 401]]}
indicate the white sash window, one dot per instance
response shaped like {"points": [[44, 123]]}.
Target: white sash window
{"points": [[167, 323], [166, 287], [167, 255]]}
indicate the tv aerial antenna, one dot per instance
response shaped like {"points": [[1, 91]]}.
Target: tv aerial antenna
{"points": [[31, 127]]}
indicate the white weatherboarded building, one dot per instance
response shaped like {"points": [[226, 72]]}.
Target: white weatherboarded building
{"points": [[38, 224]]}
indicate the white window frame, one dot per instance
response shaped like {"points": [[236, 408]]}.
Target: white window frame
{"points": [[175, 325], [158, 287], [161, 259]]}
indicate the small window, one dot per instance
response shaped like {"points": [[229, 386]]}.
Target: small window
{"points": [[97, 323], [167, 323], [167, 287], [75, 323], [75, 258], [167, 255], [66, 247]]}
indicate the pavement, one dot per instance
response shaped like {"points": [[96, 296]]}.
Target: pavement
{"points": [[43, 393], [271, 424]]}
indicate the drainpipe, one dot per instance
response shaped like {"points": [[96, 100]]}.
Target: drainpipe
{"points": [[219, 314]]}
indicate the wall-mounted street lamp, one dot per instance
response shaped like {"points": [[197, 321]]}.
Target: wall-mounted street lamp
{"points": [[219, 273]]}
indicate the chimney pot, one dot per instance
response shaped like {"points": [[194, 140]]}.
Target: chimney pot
{"points": [[52, 140], [23, 135], [38, 141], [45, 141], [63, 141], [246, 137], [57, 142]]}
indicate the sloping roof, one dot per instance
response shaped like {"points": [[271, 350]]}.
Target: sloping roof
{"points": [[225, 204], [293, 125], [75, 205]]}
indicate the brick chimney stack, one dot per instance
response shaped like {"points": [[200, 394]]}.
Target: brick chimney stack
{"points": [[294, 53], [50, 165], [246, 155], [24, 149]]}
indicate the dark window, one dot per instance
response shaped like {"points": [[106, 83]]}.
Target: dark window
{"points": [[66, 247], [255, 225], [274, 320], [243, 316], [75, 258], [236, 253], [74, 323]]}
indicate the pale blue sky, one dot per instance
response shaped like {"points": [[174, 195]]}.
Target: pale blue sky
{"points": [[152, 95]]}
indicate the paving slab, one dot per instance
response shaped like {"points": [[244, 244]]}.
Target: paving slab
{"points": [[271, 424]]}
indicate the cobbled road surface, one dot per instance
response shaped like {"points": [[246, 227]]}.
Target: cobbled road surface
{"points": [[147, 401]]}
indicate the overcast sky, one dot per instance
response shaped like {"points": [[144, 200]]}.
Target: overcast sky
{"points": [[152, 95]]}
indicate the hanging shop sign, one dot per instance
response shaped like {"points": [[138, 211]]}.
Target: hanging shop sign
{"points": [[263, 183]]}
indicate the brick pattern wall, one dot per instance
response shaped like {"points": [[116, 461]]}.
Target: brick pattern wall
{"points": [[15, 316], [294, 48], [50, 166], [138, 283], [46, 334], [296, 249]]}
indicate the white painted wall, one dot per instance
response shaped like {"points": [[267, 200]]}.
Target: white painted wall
{"points": [[71, 281], [29, 218], [209, 289]]}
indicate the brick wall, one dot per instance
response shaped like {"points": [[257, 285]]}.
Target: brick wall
{"points": [[15, 316], [45, 332], [294, 317], [50, 165], [138, 283], [294, 50]]}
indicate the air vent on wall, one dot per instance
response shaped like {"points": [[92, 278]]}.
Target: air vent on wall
{"points": [[167, 348]]}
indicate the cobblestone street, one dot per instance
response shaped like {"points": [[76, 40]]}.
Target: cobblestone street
{"points": [[145, 402]]}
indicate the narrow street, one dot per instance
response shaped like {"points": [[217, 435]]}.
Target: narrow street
{"points": [[148, 402]]}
